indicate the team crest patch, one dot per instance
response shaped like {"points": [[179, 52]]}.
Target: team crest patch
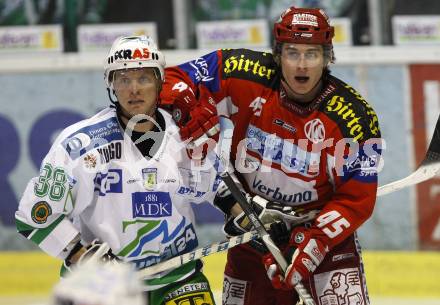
{"points": [[149, 177], [315, 130], [90, 161], [40, 211]]}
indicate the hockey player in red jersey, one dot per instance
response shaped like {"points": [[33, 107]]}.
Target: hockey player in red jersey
{"points": [[302, 138]]}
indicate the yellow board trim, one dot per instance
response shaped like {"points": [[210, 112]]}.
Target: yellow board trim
{"points": [[389, 274]]}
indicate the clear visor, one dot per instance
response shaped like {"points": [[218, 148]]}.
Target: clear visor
{"points": [[143, 77], [311, 56]]}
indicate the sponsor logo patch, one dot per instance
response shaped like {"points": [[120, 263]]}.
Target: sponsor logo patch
{"points": [[110, 152], [170, 246], [363, 168], [110, 182], [340, 287], [199, 298], [204, 69], [345, 110], [40, 212], [278, 195], [91, 137], [151, 204], [234, 291], [133, 180], [249, 65], [291, 157], [136, 53], [193, 183], [364, 163], [308, 264], [357, 119], [299, 237], [200, 67], [305, 19], [284, 125], [340, 257], [187, 289], [77, 142]]}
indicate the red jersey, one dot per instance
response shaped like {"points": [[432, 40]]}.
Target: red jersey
{"points": [[324, 154]]}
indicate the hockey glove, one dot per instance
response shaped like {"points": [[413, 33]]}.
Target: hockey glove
{"points": [[196, 118], [96, 250], [184, 100], [202, 122], [273, 216], [309, 254], [268, 212]]}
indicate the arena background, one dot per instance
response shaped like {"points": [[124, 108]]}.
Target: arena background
{"points": [[51, 76]]}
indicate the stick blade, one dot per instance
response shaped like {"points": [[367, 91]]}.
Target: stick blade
{"points": [[429, 167], [423, 173], [433, 154]]}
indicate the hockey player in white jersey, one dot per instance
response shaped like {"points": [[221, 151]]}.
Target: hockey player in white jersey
{"points": [[124, 177]]}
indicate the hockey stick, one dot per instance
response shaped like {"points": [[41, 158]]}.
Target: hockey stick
{"points": [[426, 170], [264, 235], [211, 249], [199, 253]]}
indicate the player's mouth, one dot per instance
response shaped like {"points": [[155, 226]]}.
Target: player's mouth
{"points": [[135, 102], [302, 79]]}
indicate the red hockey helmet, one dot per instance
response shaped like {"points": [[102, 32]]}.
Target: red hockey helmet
{"points": [[303, 25]]}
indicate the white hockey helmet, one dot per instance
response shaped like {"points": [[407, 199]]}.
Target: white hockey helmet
{"points": [[128, 52], [96, 282]]}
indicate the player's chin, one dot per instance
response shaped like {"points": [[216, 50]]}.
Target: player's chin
{"points": [[139, 109], [302, 88]]}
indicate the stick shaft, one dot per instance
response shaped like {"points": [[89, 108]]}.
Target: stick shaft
{"points": [[259, 227]]}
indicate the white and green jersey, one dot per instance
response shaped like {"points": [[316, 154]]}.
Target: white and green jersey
{"points": [[95, 182]]}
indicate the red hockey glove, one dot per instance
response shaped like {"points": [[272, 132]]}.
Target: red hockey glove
{"points": [[196, 118], [308, 255], [180, 102], [203, 122], [274, 273]]}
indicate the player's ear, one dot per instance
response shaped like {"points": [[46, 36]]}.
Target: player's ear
{"points": [[277, 59]]}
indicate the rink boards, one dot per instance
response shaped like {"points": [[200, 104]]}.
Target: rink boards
{"points": [[405, 275]]}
